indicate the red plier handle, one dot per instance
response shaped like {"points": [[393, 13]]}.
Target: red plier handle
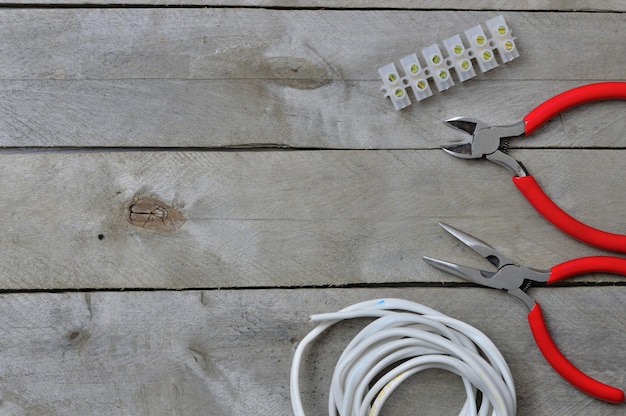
{"points": [[572, 98], [533, 192], [595, 388], [517, 279]]}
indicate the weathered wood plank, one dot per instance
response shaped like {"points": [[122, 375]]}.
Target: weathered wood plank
{"points": [[259, 77], [168, 113], [300, 48], [229, 352], [413, 5], [284, 218], [233, 77]]}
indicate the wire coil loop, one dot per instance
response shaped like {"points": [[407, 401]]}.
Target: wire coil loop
{"points": [[408, 338]]}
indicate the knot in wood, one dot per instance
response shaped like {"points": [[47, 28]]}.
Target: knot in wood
{"points": [[153, 214]]}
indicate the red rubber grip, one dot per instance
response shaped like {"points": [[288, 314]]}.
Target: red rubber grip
{"points": [[585, 265], [566, 223], [571, 98], [565, 368]]}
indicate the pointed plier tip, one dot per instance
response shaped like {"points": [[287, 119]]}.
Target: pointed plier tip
{"points": [[479, 276]]}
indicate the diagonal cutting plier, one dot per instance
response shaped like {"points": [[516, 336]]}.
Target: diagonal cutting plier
{"points": [[491, 143], [517, 279]]}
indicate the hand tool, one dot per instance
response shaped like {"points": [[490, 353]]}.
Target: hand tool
{"points": [[491, 143], [516, 280]]}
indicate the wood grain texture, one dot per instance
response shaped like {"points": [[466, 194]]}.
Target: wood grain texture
{"points": [[229, 352], [413, 5], [287, 46], [239, 77], [165, 113], [284, 218], [103, 108]]}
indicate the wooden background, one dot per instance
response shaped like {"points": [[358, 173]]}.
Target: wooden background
{"points": [[302, 191]]}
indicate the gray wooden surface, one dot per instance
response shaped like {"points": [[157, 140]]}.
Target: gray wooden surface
{"points": [[300, 190]]}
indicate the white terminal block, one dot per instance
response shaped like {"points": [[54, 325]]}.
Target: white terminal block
{"points": [[394, 85], [501, 35], [482, 48], [438, 67], [416, 77], [457, 57], [463, 67]]}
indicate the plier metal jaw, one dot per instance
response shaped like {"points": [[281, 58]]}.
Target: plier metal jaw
{"points": [[491, 143], [512, 277], [517, 279]]}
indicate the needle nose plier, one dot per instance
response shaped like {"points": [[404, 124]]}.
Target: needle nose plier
{"points": [[491, 143], [517, 279]]}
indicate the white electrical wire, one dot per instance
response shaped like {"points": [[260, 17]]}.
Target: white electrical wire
{"points": [[414, 338]]}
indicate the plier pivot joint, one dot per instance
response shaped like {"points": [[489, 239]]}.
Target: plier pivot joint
{"points": [[491, 143], [517, 279]]}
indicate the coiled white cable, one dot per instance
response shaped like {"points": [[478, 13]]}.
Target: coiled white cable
{"points": [[414, 338]]}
